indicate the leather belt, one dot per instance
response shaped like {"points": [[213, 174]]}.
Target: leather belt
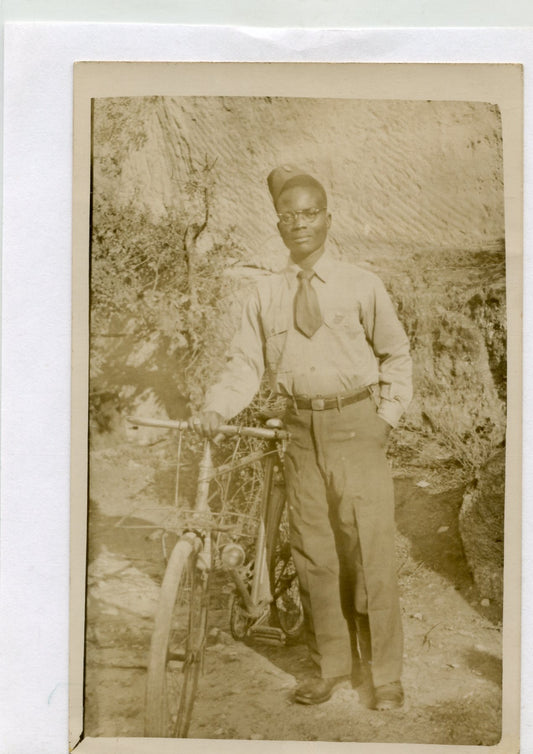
{"points": [[338, 401]]}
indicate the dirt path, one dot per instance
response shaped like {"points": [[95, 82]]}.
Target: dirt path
{"points": [[452, 673]]}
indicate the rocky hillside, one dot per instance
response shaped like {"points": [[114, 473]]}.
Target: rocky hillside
{"points": [[397, 173]]}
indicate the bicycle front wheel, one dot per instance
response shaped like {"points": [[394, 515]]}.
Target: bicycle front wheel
{"points": [[177, 646], [287, 609]]}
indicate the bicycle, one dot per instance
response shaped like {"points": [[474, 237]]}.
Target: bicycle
{"points": [[265, 588]]}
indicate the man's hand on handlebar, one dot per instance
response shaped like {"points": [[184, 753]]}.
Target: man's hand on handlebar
{"points": [[206, 423]]}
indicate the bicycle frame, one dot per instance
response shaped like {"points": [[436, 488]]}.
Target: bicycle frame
{"points": [[259, 595], [256, 597]]}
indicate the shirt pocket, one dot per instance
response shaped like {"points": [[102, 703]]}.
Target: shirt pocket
{"points": [[345, 322], [275, 339]]}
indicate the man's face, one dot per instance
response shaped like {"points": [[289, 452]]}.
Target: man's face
{"points": [[301, 235]]}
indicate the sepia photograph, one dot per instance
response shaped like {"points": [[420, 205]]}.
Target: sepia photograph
{"points": [[296, 414]]}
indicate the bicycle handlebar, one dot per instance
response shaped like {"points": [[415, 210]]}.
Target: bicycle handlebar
{"points": [[261, 433]]}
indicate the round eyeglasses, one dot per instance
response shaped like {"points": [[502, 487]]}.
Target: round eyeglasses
{"points": [[311, 214]]}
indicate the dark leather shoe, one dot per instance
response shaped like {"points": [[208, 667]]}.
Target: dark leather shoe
{"points": [[389, 696], [316, 690]]}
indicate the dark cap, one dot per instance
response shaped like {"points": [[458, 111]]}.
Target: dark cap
{"points": [[287, 176]]}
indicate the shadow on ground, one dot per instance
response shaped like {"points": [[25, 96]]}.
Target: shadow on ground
{"points": [[431, 524]]}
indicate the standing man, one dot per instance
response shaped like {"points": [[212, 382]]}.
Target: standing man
{"points": [[329, 339]]}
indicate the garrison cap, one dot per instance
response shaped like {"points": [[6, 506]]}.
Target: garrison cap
{"points": [[287, 176]]}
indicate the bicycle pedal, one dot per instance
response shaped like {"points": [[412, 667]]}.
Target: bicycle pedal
{"points": [[267, 634]]}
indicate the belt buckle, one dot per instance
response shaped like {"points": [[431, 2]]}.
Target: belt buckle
{"points": [[318, 404]]}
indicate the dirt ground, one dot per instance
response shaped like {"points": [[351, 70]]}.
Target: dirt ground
{"points": [[452, 673]]}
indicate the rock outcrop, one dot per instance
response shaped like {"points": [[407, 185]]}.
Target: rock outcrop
{"points": [[397, 173], [481, 523]]}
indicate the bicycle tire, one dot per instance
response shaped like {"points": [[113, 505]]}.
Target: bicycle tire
{"points": [[177, 646], [287, 609]]}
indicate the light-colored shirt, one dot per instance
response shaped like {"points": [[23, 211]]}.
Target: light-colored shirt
{"points": [[360, 343]]}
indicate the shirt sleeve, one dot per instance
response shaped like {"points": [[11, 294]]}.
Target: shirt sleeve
{"points": [[391, 347], [241, 376]]}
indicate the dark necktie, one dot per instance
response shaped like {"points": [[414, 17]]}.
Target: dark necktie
{"points": [[307, 315]]}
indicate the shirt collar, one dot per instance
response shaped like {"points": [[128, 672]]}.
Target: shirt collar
{"points": [[322, 268]]}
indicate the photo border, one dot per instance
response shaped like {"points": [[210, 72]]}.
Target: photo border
{"points": [[496, 83]]}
